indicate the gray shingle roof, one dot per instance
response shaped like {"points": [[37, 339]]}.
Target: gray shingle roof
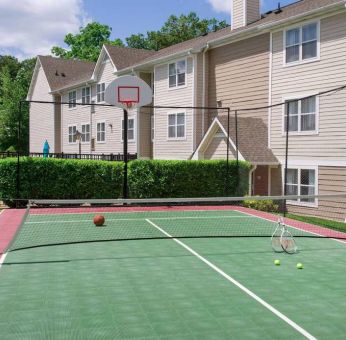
{"points": [[123, 57], [289, 11], [63, 72], [252, 139]]}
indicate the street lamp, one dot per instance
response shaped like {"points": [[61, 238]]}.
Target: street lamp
{"points": [[79, 140]]}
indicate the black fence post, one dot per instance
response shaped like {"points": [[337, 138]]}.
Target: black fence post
{"points": [[237, 147], [227, 156], [125, 141], [286, 157], [18, 153]]}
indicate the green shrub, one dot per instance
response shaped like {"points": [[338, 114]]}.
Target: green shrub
{"points": [[60, 179], [159, 178], [262, 205]]}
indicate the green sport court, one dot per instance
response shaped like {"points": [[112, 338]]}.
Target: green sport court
{"points": [[187, 272]]}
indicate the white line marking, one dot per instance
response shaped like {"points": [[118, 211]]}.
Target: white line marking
{"points": [[297, 228], [2, 259], [238, 284], [141, 219]]}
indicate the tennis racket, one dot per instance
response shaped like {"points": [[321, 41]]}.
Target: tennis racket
{"points": [[287, 241], [276, 238]]}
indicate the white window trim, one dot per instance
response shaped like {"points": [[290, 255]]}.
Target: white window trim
{"points": [[100, 122], [134, 130], [90, 96], [301, 61], [81, 129], [299, 168], [100, 102], [176, 138], [68, 96], [176, 87], [317, 113], [68, 134]]}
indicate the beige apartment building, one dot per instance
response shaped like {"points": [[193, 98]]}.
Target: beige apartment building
{"points": [[287, 54]]}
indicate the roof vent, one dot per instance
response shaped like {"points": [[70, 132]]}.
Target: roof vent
{"points": [[278, 10], [63, 74], [57, 73]]}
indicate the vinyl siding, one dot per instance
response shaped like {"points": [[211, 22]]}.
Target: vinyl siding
{"points": [[41, 121], [253, 10], [164, 96], [325, 74], [331, 180], [111, 116], [239, 76], [217, 149], [238, 13]]}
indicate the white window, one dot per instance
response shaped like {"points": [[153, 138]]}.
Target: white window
{"points": [[152, 127], [72, 99], [177, 73], [301, 182], [72, 138], [302, 115], [100, 91], [302, 43], [86, 95], [85, 133], [101, 132], [176, 125], [130, 129]]}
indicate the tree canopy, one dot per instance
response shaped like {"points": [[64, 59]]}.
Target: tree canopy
{"points": [[87, 44], [175, 30]]}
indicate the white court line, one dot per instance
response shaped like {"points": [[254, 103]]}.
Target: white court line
{"points": [[2, 259], [238, 284], [141, 219], [306, 231]]}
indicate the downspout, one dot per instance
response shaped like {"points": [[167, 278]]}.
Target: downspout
{"points": [[204, 88], [253, 169]]}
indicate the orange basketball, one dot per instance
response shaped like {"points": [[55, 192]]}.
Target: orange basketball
{"points": [[99, 220]]}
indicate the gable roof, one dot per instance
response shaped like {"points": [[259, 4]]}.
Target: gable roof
{"points": [[299, 8], [65, 72], [123, 57], [252, 139]]}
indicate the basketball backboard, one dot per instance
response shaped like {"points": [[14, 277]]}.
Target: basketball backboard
{"points": [[128, 92]]}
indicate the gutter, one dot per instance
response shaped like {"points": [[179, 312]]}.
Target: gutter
{"points": [[204, 86]]}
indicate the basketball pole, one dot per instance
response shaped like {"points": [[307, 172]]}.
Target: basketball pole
{"points": [[125, 141]]}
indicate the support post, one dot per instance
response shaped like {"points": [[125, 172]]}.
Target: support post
{"points": [[236, 145], [18, 154], [286, 156], [125, 145], [227, 156]]}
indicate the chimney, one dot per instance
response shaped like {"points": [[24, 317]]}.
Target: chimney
{"points": [[245, 12]]}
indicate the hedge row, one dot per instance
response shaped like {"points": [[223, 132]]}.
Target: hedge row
{"points": [[72, 179]]}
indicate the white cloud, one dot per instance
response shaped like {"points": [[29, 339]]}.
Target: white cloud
{"points": [[221, 5], [31, 27]]}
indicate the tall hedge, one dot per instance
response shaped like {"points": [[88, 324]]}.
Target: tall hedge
{"points": [[157, 178], [72, 179], [60, 178]]}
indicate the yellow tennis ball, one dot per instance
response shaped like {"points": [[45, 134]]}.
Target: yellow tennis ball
{"points": [[277, 262], [300, 266]]}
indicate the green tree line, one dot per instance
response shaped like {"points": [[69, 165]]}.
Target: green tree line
{"points": [[15, 75]]}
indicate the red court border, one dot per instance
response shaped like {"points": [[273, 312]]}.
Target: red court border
{"points": [[311, 228], [10, 221]]}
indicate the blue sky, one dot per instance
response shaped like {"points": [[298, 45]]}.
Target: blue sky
{"points": [[134, 16], [32, 27]]}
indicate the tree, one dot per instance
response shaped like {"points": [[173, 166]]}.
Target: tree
{"points": [[87, 44], [13, 90], [12, 64], [175, 30]]}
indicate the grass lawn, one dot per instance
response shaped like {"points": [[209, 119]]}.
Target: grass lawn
{"points": [[319, 221]]}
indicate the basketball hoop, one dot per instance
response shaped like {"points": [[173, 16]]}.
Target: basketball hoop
{"points": [[128, 92]]}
